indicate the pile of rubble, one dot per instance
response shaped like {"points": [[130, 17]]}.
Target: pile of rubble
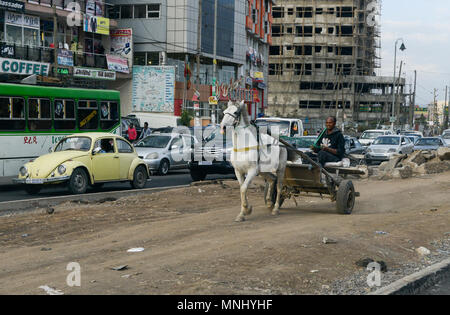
{"points": [[416, 164]]}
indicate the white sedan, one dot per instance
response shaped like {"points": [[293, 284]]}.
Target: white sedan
{"points": [[383, 148]]}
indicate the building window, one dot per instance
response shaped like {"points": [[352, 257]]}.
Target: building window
{"points": [[22, 29], [126, 11], [139, 59], [138, 11], [154, 11]]}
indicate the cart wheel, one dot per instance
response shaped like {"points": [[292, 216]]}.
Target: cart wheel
{"points": [[274, 195], [346, 197]]}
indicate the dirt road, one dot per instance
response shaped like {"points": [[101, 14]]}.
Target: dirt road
{"points": [[193, 246]]}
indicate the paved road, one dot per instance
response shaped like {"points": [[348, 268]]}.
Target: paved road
{"points": [[442, 288], [175, 178]]}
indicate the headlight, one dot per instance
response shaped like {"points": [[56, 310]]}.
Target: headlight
{"points": [[369, 150], [152, 156], [392, 150], [23, 171], [61, 169]]}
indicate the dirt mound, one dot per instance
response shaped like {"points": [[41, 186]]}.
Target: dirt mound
{"points": [[418, 163]]}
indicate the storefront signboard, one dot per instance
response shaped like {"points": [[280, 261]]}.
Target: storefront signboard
{"points": [[23, 67], [117, 63], [99, 74]]}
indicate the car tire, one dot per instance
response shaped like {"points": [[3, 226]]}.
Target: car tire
{"points": [[346, 197], [164, 167], [78, 182], [139, 177], [33, 189], [198, 175]]}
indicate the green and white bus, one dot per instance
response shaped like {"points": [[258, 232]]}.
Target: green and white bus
{"points": [[34, 118]]}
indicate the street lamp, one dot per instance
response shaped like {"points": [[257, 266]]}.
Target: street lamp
{"points": [[402, 48]]}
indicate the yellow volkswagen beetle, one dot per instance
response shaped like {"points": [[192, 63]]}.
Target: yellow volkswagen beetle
{"points": [[82, 160]]}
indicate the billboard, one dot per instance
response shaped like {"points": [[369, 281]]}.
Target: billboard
{"points": [[153, 89], [122, 44]]}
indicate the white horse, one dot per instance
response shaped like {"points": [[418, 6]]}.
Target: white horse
{"points": [[248, 155]]}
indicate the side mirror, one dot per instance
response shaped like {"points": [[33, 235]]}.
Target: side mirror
{"points": [[174, 147], [50, 150], [96, 151]]}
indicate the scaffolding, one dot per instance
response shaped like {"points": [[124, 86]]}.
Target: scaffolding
{"points": [[324, 59]]}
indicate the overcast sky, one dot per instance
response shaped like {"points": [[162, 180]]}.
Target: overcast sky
{"points": [[425, 27]]}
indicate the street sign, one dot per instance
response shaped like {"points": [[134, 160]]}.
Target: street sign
{"points": [[213, 100]]}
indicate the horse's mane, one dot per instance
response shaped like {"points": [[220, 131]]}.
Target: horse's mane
{"points": [[244, 114]]}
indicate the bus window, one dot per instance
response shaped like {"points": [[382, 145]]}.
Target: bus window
{"points": [[12, 114], [88, 115], [109, 115], [39, 114], [65, 115]]}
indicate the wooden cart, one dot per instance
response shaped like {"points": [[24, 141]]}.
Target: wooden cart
{"points": [[312, 180]]}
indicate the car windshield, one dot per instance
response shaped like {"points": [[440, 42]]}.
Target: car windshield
{"points": [[371, 135], [432, 142], [159, 142], [387, 141], [283, 126], [446, 136], [74, 144], [305, 143]]}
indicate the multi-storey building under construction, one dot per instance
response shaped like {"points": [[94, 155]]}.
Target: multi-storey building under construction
{"points": [[323, 62]]}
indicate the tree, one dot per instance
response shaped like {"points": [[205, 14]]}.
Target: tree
{"points": [[186, 118]]}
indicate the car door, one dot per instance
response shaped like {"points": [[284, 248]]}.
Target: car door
{"points": [[176, 151], [126, 156], [105, 163]]}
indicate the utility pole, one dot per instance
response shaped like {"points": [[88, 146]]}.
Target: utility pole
{"points": [[444, 108], [213, 107], [55, 51], [414, 99], [436, 117], [199, 40], [446, 125]]}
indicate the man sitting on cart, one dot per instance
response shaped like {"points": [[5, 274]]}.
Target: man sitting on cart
{"points": [[330, 145]]}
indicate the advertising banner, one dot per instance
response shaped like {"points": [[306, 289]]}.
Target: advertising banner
{"points": [[65, 57], [122, 44], [117, 63], [153, 89], [96, 24], [12, 5]]}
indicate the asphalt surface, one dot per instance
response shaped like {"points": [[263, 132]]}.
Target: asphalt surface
{"points": [[442, 288], [175, 178]]}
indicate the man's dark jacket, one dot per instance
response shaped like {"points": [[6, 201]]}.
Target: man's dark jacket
{"points": [[336, 141]]}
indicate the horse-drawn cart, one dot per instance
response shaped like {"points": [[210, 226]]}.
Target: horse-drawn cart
{"points": [[310, 179]]}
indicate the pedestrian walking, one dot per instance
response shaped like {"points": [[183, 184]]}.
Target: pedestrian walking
{"points": [[132, 133], [145, 132]]}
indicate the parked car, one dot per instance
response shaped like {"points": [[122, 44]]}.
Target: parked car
{"points": [[125, 124], [212, 155], [353, 146], [384, 147], [413, 138], [369, 136], [165, 152], [430, 144], [85, 159], [446, 137], [303, 144], [412, 133]]}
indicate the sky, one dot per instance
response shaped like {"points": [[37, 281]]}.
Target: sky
{"points": [[424, 25]]}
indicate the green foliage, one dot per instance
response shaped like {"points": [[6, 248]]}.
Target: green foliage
{"points": [[186, 119]]}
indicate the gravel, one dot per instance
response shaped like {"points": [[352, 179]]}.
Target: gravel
{"points": [[357, 283]]}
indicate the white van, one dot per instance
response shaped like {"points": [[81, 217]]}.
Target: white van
{"points": [[156, 121], [369, 136], [292, 128]]}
